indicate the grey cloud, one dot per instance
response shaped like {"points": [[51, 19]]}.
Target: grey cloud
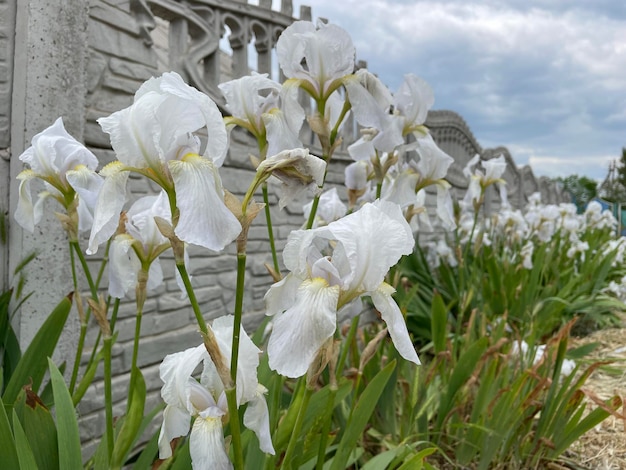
{"points": [[543, 77]]}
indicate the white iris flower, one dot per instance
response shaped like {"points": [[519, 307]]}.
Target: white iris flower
{"points": [[205, 400], [316, 58], [155, 137], [66, 167], [330, 267]]}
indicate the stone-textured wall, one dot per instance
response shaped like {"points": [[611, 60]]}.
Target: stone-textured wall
{"points": [[125, 42], [7, 46], [49, 61]]}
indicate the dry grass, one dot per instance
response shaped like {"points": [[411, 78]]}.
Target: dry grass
{"points": [[604, 447]]}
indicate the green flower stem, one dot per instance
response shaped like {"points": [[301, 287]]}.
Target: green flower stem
{"points": [[309, 223], [231, 391], [73, 266], [108, 394], [75, 247], [231, 394], [297, 427], [105, 261], [241, 279], [346, 346], [333, 134], [83, 262], [330, 405], [79, 353], [116, 307], [83, 326], [182, 270], [235, 430], [270, 230], [141, 291]]}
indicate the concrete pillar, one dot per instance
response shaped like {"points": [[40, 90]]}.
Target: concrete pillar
{"points": [[49, 80], [7, 45]]}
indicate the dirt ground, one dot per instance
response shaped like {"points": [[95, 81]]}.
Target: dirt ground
{"points": [[604, 447]]}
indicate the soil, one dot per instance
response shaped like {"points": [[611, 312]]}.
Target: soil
{"points": [[604, 447]]}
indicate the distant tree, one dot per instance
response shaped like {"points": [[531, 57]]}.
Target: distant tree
{"points": [[582, 189], [613, 188]]}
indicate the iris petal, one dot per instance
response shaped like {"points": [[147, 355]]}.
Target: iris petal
{"points": [[257, 419], [110, 202], [206, 445], [392, 316], [176, 423], [300, 331], [204, 218]]}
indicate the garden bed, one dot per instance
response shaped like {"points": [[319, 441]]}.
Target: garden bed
{"points": [[604, 447]]}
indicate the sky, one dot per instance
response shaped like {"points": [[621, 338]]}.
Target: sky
{"points": [[545, 78]]}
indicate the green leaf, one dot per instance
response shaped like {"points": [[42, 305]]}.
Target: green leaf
{"points": [[67, 426], [461, 373], [417, 461], [132, 421], [24, 452], [359, 419], [8, 452], [149, 453], [87, 379], [382, 460], [32, 365], [582, 351], [439, 323], [10, 352], [562, 442], [40, 429]]}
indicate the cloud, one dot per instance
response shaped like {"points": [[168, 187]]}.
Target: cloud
{"points": [[526, 74]]}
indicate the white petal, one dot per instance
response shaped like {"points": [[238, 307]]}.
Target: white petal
{"points": [[434, 162], [87, 184], [282, 295], [110, 202], [290, 48], [367, 111], [207, 447], [176, 422], [248, 362], [257, 419], [396, 326], [217, 142], [155, 275], [281, 134], [297, 251], [248, 97], [204, 218], [300, 331], [356, 175], [141, 224], [134, 131], [373, 238], [402, 189], [494, 168], [54, 151], [25, 213], [327, 51], [123, 266], [445, 209], [362, 149], [414, 98], [175, 372], [330, 207]]}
